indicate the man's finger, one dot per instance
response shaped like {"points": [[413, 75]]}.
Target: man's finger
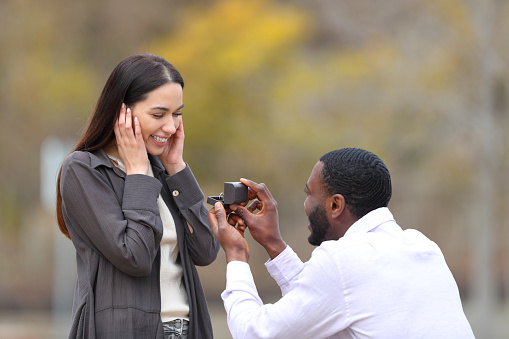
{"points": [[262, 192], [234, 219], [220, 214], [242, 213], [213, 221], [255, 205]]}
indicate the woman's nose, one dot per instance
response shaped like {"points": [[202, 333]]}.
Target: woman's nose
{"points": [[169, 127]]}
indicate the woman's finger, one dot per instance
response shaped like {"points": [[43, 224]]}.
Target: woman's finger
{"points": [[129, 131], [121, 122], [137, 130], [180, 129]]}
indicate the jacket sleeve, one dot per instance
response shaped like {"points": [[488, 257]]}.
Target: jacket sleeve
{"points": [[201, 242], [126, 232]]}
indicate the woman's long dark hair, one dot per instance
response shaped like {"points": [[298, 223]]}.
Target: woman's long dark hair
{"points": [[129, 83]]}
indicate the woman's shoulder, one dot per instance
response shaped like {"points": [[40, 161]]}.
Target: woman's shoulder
{"points": [[81, 157], [86, 158]]}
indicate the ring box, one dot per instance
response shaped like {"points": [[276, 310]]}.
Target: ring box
{"points": [[234, 193]]}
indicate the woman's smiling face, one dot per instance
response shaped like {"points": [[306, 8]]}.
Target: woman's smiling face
{"points": [[160, 114]]}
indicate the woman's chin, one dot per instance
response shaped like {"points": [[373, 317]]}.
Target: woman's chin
{"points": [[156, 151]]}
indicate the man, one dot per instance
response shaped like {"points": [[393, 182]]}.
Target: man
{"points": [[367, 278]]}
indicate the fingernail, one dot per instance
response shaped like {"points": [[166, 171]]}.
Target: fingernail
{"points": [[123, 105], [128, 111], [217, 206]]}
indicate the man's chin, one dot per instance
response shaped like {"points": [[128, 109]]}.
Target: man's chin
{"points": [[314, 241]]}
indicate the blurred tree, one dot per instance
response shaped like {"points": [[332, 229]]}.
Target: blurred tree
{"points": [[487, 133], [273, 84], [231, 54]]}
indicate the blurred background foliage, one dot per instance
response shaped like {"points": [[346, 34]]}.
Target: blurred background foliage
{"points": [[270, 87]]}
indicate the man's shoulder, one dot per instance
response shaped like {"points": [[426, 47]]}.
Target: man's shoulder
{"points": [[348, 243], [352, 248]]}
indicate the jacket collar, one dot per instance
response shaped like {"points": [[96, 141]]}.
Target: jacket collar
{"points": [[100, 158]]}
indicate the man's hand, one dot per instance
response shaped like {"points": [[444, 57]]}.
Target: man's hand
{"points": [[264, 225], [231, 239]]}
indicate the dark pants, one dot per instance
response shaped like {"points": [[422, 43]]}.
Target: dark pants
{"points": [[176, 329]]}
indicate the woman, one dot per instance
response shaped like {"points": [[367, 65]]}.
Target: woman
{"points": [[135, 213]]}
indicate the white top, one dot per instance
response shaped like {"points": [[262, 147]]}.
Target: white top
{"points": [[174, 303], [377, 281]]}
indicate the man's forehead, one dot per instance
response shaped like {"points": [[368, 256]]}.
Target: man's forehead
{"points": [[315, 178]]}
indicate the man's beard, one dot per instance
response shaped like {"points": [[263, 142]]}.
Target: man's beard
{"points": [[319, 226]]}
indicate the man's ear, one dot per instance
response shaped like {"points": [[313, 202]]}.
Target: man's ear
{"points": [[338, 205]]}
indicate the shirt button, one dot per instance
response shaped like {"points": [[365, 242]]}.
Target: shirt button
{"points": [[175, 193]]}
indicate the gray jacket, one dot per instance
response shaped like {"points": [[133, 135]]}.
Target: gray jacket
{"points": [[114, 224]]}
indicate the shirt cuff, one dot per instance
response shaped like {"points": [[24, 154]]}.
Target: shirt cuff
{"points": [[238, 278], [238, 270], [285, 266]]}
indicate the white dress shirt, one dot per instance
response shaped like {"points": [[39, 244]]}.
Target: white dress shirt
{"points": [[377, 281]]}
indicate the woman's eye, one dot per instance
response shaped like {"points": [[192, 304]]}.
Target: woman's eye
{"points": [[157, 116], [176, 114]]}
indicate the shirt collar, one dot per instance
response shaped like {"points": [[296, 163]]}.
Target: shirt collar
{"points": [[370, 221], [157, 166], [100, 158]]}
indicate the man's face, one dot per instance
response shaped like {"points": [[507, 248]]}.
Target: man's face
{"points": [[319, 226], [314, 206]]}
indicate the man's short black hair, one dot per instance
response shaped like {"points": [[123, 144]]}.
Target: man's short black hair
{"points": [[359, 176]]}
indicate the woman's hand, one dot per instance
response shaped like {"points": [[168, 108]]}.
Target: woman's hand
{"points": [[130, 145], [172, 156]]}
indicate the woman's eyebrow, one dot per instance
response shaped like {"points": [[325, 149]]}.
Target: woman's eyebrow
{"points": [[166, 109], [161, 108]]}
